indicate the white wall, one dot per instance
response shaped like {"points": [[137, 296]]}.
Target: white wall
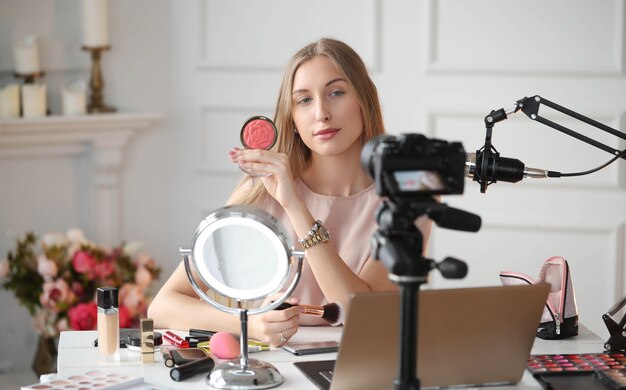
{"points": [[440, 66]]}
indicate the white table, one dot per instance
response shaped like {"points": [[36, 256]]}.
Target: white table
{"points": [[77, 356]]}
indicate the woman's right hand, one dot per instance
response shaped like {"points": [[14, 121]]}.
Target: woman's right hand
{"points": [[275, 326], [274, 170]]}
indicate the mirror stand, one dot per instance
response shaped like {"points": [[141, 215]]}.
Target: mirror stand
{"points": [[244, 273], [243, 373]]}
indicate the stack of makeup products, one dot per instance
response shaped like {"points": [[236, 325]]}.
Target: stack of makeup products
{"points": [[191, 355]]}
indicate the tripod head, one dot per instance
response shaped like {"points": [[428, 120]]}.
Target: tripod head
{"points": [[398, 243]]}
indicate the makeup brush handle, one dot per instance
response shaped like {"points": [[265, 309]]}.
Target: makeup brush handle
{"points": [[308, 309]]}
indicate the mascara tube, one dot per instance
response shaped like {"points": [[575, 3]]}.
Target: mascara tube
{"points": [[187, 370]]}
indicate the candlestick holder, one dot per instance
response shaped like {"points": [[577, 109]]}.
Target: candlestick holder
{"points": [[29, 78], [96, 83]]}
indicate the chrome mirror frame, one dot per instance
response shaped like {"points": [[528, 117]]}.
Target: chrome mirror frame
{"points": [[243, 373]]}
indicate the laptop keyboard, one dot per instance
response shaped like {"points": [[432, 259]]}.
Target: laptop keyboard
{"points": [[328, 375]]}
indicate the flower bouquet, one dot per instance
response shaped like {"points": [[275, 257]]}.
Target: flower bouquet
{"points": [[56, 280]]}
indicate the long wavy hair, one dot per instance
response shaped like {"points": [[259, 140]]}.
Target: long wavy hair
{"points": [[289, 142]]}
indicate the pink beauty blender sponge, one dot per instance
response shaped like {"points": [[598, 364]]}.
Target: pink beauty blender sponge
{"points": [[224, 345]]}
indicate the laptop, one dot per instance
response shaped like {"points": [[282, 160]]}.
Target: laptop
{"points": [[466, 337]]}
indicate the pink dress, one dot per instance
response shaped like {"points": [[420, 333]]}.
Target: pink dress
{"points": [[351, 221]]}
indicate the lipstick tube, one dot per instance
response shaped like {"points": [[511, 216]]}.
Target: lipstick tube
{"points": [[175, 340]]}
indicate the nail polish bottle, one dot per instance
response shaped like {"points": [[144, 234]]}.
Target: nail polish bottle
{"points": [[108, 322]]}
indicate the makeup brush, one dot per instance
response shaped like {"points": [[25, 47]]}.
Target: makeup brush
{"points": [[331, 312]]}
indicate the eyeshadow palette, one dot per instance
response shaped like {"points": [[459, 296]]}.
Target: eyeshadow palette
{"points": [[575, 363], [90, 380]]}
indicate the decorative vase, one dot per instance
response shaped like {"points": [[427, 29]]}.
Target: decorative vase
{"points": [[45, 360]]}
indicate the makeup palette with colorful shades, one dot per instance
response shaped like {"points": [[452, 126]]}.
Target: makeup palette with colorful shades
{"points": [[90, 380], [575, 363]]}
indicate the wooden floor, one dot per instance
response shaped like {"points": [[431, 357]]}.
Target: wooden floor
{"points": [[15, 380]]}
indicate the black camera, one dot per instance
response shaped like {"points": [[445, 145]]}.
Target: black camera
{"points": [[411, 165]]}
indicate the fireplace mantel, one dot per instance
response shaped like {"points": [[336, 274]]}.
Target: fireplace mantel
{"points": [[103, 137]]}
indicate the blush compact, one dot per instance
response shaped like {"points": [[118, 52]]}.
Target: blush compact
{"points": [[258, 132]]}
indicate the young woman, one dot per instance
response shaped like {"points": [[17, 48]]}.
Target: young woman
{"points": [[327, 110]]}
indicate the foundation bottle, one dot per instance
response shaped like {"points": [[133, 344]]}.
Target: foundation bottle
{"points": [[108, 322]]}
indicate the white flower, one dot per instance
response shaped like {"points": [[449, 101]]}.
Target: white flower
{"points": [[46, 267], [132, 247], [76, 236], [53, 239]]}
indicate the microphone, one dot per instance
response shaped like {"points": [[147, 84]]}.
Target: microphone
{"points": [[487, 167]]}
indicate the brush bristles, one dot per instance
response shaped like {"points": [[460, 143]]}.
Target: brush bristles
{"points": [[333, 314]]}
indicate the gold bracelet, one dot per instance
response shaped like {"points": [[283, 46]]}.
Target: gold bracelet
{"points": [[317, 235]]}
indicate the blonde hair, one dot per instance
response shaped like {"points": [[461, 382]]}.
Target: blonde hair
{"points": [[353, 68]]}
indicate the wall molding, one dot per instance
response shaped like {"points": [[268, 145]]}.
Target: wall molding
{"points": [[433, 63], [205, 61], [104, 137]]}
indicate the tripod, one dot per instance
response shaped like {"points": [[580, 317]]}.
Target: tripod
{"points": [[398, 243]]}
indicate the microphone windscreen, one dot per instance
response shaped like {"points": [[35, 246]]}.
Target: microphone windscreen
{"points": [[224, 345]]}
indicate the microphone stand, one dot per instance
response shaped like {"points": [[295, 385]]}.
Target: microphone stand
{"points": [[530, 106], [398, 243]]}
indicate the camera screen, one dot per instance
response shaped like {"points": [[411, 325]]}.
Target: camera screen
{"points": [[418, 181]]}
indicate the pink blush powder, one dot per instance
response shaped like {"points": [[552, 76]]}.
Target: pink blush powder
{"points": [[259, 134]]}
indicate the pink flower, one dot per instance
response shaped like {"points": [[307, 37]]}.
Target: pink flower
{"points": [[144, 260], [104, 269], [4, 268], [83, 316], [143, 278], [78, 290], [54, 294], [126, 320], [83, 263], [46, 267], [131, 296]]}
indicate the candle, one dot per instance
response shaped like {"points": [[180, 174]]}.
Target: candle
{"points": [[34, 100], [10, 101], [95, 23], [74, 98], [26, 54]]}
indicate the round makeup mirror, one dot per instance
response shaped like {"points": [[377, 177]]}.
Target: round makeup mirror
{"points": [[242, 253]]}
